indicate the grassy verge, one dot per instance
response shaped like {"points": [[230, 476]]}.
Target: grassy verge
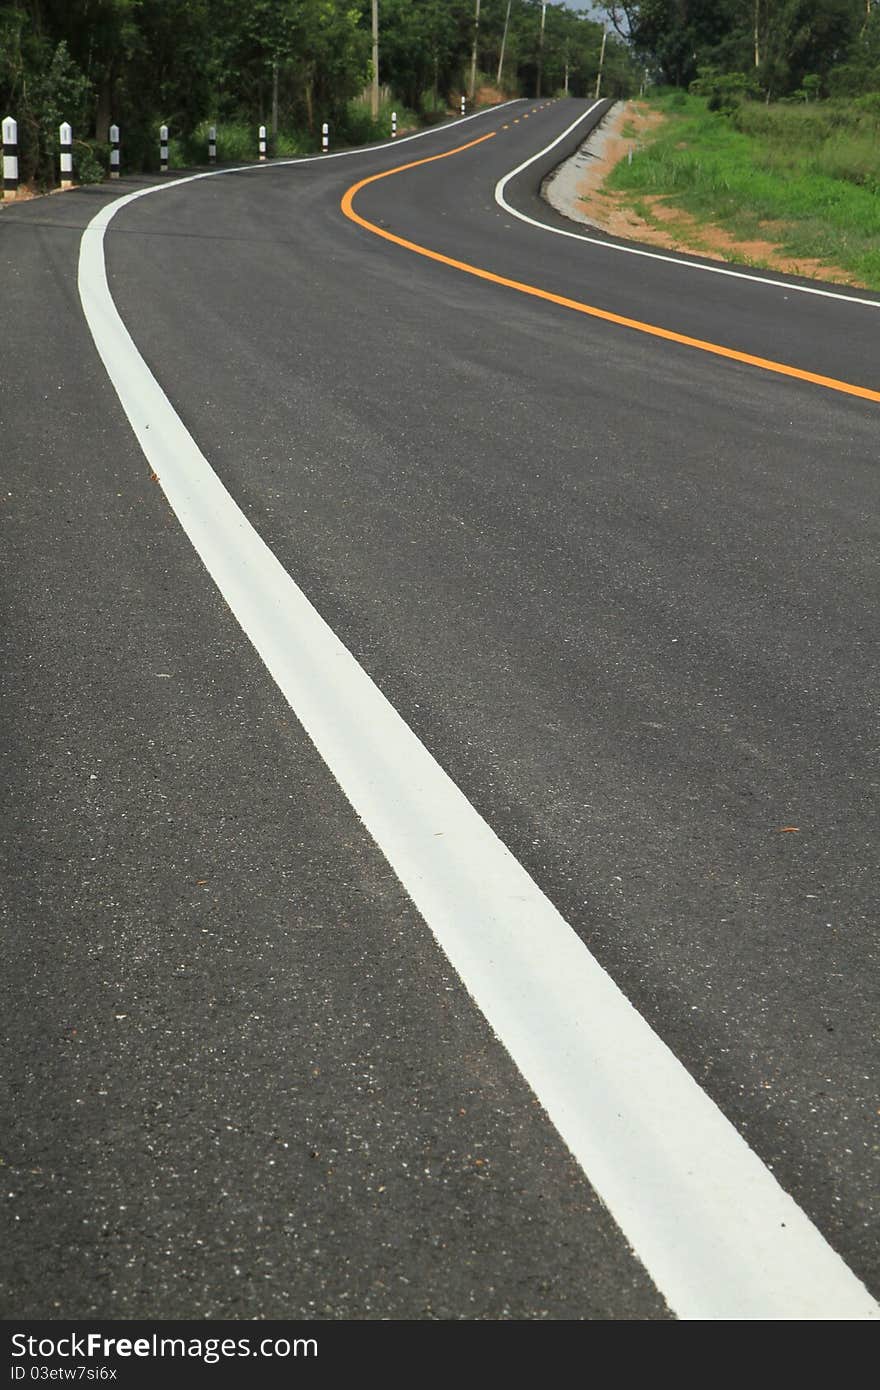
{"points": [[806, 178]]}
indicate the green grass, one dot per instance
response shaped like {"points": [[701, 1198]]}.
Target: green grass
{"points": [[812, 172], [237, 143], [359, 128]]}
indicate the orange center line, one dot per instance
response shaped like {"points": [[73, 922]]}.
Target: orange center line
{"points": [[765, 364]]}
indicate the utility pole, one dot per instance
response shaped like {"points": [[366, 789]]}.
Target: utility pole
{"points": [[601, 62], [541, 50], [374, 94], [473, 81], [503, 43]]}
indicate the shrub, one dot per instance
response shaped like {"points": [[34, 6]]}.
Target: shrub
{"points": [[357, 126], [432, 108], [869, 103], [91, 161], [60, 93], [724, 91]]}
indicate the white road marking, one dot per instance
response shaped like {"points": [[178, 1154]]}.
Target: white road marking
{"points": [[716, 1232], [787, 285]]}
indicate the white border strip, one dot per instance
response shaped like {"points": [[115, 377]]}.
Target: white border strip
{"points": [[708, 1220], [502, 202]]}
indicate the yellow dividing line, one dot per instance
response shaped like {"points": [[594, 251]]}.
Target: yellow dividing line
{"points": [[766, 364]]}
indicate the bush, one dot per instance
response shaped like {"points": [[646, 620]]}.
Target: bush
{"points": [[91, 161], [724, 91], [850, 79], [288, 144], [61, 93], [357, 126], [432, 108], [869, 103], [237, 143]]}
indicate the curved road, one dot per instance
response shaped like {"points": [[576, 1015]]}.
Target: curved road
{"points": [[620, 587]]}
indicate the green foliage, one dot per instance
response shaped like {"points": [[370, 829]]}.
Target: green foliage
{"points": [[57, 93], [431, 108], [422, 48], [91, 161], [358, 127], [812, 171], [677, 38], [797, 48], [288, 64], [860, 72], [237, 143], [724, 91], [869, 103]]}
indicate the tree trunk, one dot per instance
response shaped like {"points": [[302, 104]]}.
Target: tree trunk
{"points": [[503, 43], [104, 110], [374, 89], [473, 79]]}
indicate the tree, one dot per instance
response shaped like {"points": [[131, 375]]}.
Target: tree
{"points": [[783, 41], [423, 47]]}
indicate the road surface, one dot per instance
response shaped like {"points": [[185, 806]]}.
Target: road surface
{"points": [[588, 527]]}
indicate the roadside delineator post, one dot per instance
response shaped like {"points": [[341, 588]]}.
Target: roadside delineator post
{"points": [[325, 138], [212, 144], [114, 152], [262, 143], [65, 136], [393, 125], [463, 103], [163, 149], [10, 157]]}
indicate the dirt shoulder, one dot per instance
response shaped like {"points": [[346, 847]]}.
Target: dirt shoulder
{"points": [[578, 191]]}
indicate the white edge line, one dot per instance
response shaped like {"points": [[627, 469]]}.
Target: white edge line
{"points": [[502, 202], [710, 1223]]}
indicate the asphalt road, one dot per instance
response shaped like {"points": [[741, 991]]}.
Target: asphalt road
{"points": [[623, 590]]}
